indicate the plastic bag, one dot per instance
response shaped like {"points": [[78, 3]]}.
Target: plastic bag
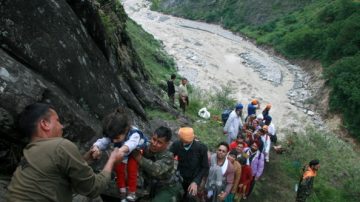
{"points": [[203, 113]]}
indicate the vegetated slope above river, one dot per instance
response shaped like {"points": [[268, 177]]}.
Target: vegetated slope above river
{"points": [[210, 56], [325, 31]]}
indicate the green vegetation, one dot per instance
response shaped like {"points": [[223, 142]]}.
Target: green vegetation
{"points": [[339, 174], [159, 65], [338, 177], [328, 31], [152, 113]]}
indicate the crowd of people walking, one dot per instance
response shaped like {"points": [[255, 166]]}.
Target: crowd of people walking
{"points": [[185, 170]]}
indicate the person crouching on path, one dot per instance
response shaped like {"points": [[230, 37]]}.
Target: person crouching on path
{"points": [[307, 181], [117, 129], [157, 164], [52, 168], [183, 94], [193, 163], [234, 123]]}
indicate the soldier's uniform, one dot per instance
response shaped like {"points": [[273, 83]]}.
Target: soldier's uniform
{"points": [[305, 185], [159, 172], [51, 170]]}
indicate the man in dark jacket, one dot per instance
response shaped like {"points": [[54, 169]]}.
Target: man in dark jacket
{"points": [[193, 161], [171, 89]]}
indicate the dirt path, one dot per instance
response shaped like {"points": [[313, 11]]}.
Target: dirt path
{"points": [[210, 56]]}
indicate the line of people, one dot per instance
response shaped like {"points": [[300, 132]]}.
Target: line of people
{"points": [[250, 142], [52, 167]]}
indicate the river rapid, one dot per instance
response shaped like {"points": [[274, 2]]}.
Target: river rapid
{"points": [[209, 56]]}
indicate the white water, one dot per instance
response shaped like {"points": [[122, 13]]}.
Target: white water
{"points": [[209, 56]]}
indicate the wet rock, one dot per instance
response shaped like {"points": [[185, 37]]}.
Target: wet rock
{"points": [[72, 64], [310, 113], [163, 18]]}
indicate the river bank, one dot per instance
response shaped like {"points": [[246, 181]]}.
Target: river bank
{"points": [[209, 56]]}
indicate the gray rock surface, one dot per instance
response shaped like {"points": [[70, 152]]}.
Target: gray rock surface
{"points": [[60, 52]]}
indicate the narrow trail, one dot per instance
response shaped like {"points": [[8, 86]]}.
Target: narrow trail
{"points": [[209, 56]]}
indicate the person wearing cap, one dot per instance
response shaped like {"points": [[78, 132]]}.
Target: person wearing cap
{"points": [[266, 111], [234, 123], [253, 106], [157, 166], [52, 168], [193, 162], [260, 119], [306, 181]]}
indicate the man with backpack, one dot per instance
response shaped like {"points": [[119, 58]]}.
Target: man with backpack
{"points": [[307, 180], [233, 123]]}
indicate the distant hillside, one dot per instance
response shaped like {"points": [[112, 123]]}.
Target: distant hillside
{"points": [[323, 30], [230, 12]]}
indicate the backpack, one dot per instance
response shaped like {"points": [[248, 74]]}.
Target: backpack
{"points": [[225, 115], [143, 139]]}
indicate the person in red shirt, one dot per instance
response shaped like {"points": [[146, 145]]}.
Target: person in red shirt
{"points": [[245, 179], [239, 140]]}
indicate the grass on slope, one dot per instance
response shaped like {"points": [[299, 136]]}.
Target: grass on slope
{"points": [[339, 174], [156, 61], [324, 30], [337, 179]]}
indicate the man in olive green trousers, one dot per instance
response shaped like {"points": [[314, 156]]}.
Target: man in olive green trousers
{"points": [[52, 168], [157, 165]]}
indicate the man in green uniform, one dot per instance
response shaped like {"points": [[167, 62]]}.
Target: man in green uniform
{"points": [[52, 167], [157, 164], [307, 180]]}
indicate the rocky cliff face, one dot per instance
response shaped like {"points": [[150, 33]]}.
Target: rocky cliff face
{"points": [[62, 52]]}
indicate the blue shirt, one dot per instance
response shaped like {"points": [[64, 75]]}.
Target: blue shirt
{"points": [[251, 109]]}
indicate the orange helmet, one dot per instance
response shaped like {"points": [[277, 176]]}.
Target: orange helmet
{"points": [[254, 101]]}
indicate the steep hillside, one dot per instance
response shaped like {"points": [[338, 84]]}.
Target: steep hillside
{"points": [[76, 55], [230, 13], [325, 31]]}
